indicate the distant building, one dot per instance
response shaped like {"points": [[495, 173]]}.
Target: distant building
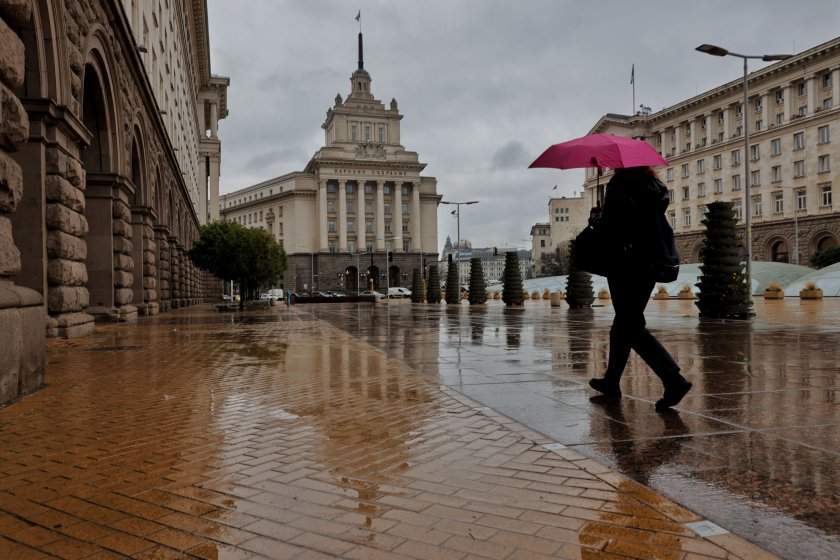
{"points": [[492, 261], [567, 217], [793, 117], [360, 214]]}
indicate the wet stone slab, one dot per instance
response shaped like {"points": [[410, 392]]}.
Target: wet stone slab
{"points": [[754, 446]]}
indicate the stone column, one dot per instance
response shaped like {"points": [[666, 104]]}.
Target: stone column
{"points": [[379, 213], [788, 102], [182, 276], [813, 87], [679, 142], [164, 262], [416, 233], [174, 273], [214, 119], [124, 265], [342, 216], [321, 201], [361, 241], [765, 110], [202, 189], [692, 134], [835, 88], [214, 187], [662, 146], [145, 269], [727, 123], [396, 222]]}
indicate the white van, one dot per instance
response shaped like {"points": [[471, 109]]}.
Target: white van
{"points": [[398, 293]]}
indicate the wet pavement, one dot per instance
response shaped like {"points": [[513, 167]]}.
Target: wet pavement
{"points": [[401, 431]]}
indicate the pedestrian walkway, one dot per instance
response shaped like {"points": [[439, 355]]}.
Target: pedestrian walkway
{"points": [[272, 434]]}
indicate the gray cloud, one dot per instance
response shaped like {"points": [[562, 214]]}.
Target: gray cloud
{"points": [[470, 75]]}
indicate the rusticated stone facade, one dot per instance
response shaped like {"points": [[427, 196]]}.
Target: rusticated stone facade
{"points": [[96, 207]]}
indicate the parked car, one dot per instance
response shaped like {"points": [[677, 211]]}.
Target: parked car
{"points": [[269, 296], [398, 292], [226, 297], [372, 293]]}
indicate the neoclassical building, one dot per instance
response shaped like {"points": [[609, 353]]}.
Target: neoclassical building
{"points": [[360, 214], [107, 145], [793, 118]]}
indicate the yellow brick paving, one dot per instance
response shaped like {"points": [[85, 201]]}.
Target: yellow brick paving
{"points": [[197, 435]]}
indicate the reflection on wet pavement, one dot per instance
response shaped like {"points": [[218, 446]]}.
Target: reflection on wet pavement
{"points": [[754, 446]]}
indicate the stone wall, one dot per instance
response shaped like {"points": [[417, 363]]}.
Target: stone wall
{"points": [[22, 309]]}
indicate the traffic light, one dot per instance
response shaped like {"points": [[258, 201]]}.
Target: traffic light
{"points": [[390, 256], [495, 251]]}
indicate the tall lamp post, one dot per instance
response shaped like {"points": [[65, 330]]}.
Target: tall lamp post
{"points": [[720, 51], [795, 206], [387, 265], [458, 216]]}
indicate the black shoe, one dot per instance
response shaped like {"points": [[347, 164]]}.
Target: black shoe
{"points": [[608, 388], [674, 393]]}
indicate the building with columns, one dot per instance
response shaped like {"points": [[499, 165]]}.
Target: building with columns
{"points": [[793, 118], [360, 214]]}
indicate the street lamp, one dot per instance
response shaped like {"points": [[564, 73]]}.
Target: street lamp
{"points": [[794, 205], [720, 51], [457, 213], [387, 264]]}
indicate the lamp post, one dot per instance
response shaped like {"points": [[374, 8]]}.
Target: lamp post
{"points": [[358, 272], [794, 205], [458, 216], [387, 265], [720, 51]]}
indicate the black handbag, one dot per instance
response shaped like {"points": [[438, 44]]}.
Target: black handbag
{"points": [[596, 252]]}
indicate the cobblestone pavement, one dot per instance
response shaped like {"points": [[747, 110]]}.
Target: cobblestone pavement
{"points": [[271, 434], [754, 447]]}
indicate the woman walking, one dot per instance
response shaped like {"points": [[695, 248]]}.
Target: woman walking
{"points": [[634, 198]]}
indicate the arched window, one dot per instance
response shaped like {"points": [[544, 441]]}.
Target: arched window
{"points": [[779, 252]]}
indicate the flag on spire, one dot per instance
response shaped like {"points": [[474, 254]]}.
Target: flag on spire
{"points": [[359, 16], [632, 73]]}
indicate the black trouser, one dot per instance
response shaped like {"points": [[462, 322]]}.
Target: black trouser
{"points": [[630, 295]]}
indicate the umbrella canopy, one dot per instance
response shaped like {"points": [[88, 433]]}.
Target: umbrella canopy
{"points": [[599, 150]]}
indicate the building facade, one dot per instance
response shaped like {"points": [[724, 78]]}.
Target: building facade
{"points": [[793, 120], [492, 262], [566, 218], [360, 214], [100, 130]]}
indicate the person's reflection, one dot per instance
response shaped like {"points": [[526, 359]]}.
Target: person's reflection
{"points": [[726, 351], [580, 341], [477, 317], [638, 456]]}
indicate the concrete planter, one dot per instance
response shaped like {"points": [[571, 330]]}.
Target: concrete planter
{"points": [[661, 295], [685, 295], [557, 299], [774, 294]]}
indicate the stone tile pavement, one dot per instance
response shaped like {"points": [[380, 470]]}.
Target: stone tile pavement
{"points": [[275, 435]]}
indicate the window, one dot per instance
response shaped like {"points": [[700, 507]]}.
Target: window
{"points": [[388, 227], [349, 189], [701, 189], [331, 226], [736, 157], [387, 207], [332, 246], [803, 89], [405, 230], [778, 203], [404, 189], [825, 190], [756, 205], [736, 182], [671, 195], [367, 134], [685, 193], [776, 172], [669, 174], [776, 146], [799, 168], [736, 206], [351, 246], [369, 227], [826, 79], [718, 186], [780, 118], [349, 207], [386, 189], [801, 201], [717, 162], [738, 110], [404, 207], [803, 110], [824, 163], [828, 103], [780, 97], [687, 217], [381, 133], [824, 136], [672, 218], [353, 133], [368, 207], [758, 124], [701, 166], [261, 215], [755, 152], [351, 225], [685, 170], [798, 140], [758, 104], [720, 117], [542, 242], [331, 206], [368, 189], [755, 178]]}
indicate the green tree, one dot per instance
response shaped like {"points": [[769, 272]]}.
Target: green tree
{"points": [[822, 259], [554, 263], [724, 292], [231, 251], [579, 293]]}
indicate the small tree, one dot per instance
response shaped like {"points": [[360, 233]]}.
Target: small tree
{"points": [[453, 288], [554, 263], [433, 285], [231, 251], [579, 291], [826, 257], [512, 292], [478, 289], [723, 287]]}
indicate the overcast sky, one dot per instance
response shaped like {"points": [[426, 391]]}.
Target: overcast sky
{"points": [[484, 85]]}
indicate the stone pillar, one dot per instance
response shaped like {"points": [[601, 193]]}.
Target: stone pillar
{"points": [[396, 222], [321, 199], [416, 233], [164, 295], [765, 110], [361, 240], [813, 88], [22, 309], [182, 276], [214, 119], [202, 189], [679, 142], [174, 273], [379, 213], [143, 254], [788, 106], [342, 216], [662, 146], [727, 123], [835, 88], [123, 263], [692, 134], [214, 187]]}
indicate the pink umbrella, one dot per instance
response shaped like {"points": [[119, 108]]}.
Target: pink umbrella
{"points": [[599, 150]]}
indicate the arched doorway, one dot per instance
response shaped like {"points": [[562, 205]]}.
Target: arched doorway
{"points": [[351, 280], [825, 241], [394, 277], [373, 278], [779, 251]]}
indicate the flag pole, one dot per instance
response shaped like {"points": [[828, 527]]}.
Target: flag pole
{"points": [[633, 83]]}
